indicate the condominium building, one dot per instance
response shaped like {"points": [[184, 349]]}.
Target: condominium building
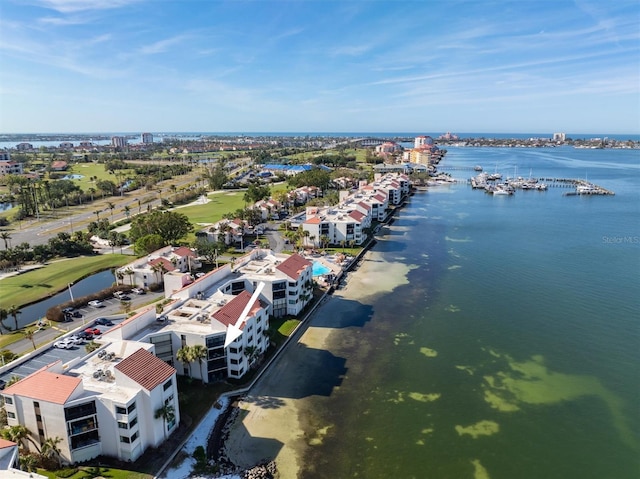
{"points": [[8, 167], [150, 269], [147, 138], [103, 404], [118, 141]]}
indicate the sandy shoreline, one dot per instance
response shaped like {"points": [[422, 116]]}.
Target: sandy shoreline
{"points": [[268, 425]]}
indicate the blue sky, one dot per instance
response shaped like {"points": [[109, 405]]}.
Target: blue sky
{"points": [[320, 66]]}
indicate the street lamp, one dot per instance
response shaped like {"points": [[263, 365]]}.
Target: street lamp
{"points": [[70, 292]]}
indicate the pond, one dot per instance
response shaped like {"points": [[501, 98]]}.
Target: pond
{"points": [[91, 284], [72, 177]]}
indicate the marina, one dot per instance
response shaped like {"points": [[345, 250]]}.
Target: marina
{"points": [[488, 183]]}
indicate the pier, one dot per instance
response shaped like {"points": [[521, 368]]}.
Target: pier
{"points": [[489, 183]]}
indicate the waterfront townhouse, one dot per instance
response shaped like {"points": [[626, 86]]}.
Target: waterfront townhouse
{"points": [[337, 225], [102, 404], [149, 270]]}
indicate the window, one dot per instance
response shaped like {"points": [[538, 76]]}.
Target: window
{"points": [[36, 404], [38, 417], [122, 425], [133, 422], [134, 436], [169, 400], [292, 301], [235, 361], [8, 400], [131, 408], [120, 410], [11, 415], [167, 385], [125, 439]]}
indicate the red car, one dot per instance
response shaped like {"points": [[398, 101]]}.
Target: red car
{"points": [[94, 331]]}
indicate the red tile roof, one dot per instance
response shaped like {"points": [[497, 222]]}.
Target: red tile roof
{"points": [[364, 205], [231, 311], [168, 265], [313, 220], [45, 386], [357, 215], [145, 369], [293, 266], [184, 251]]}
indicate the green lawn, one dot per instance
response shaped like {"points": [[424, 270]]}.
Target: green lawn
{"points": [[87, 170], [34, 285], [107, 472]]}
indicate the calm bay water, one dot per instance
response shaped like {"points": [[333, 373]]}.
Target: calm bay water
{"points": [[514, 351]]}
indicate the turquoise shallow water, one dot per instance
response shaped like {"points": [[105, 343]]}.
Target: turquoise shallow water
{"points": [[514, 349]]}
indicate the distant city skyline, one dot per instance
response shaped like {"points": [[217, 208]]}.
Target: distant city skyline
{"points": [[70, 66]]}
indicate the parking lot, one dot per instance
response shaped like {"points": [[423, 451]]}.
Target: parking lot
{"points": [[50, 333]]}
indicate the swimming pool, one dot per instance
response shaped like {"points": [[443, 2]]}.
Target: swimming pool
{"points": [[319, 269]]}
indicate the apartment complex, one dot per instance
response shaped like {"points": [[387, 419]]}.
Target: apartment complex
{"points": [[8, 167], [347, 222], [104, 404], [151, 269]]}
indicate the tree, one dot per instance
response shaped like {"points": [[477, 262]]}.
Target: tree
{"points": [[185, 356], [4, 314], [14, 311], [5, 237], [168, 414], [50, 448], [148, 244], [29, 334], [199, 353], [19, 434], [111, 206], [171, 226]]}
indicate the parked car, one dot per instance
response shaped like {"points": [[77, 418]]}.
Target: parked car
{"points": [[65, 343], [93, 331], [96, 303], [75, 339], [84, 335], [104, 322], [138, 291], [124, 297]]}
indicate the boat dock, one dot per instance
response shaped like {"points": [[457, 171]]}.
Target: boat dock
{"points": [[486, 182]]}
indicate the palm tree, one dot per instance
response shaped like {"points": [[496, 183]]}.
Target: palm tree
{"points": [[168, 414], [3, 315], [97, 213], [111, 206], [129, 272], [29, 334], [50, 448], [185, 356], [29, 463], [5, 237], [14, 311], [198, 353], [127, 211], [19, 434], [120, 276], [252, 353]]}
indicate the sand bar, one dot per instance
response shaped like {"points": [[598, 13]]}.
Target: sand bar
{"points": [[268, 427]]}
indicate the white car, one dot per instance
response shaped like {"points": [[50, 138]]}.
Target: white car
{"points": [[96, 303], [74, 339], [65, 343]]}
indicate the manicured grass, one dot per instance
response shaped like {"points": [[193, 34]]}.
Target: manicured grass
{"points": [[34, 285], [221, 203], [109, 472]]}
